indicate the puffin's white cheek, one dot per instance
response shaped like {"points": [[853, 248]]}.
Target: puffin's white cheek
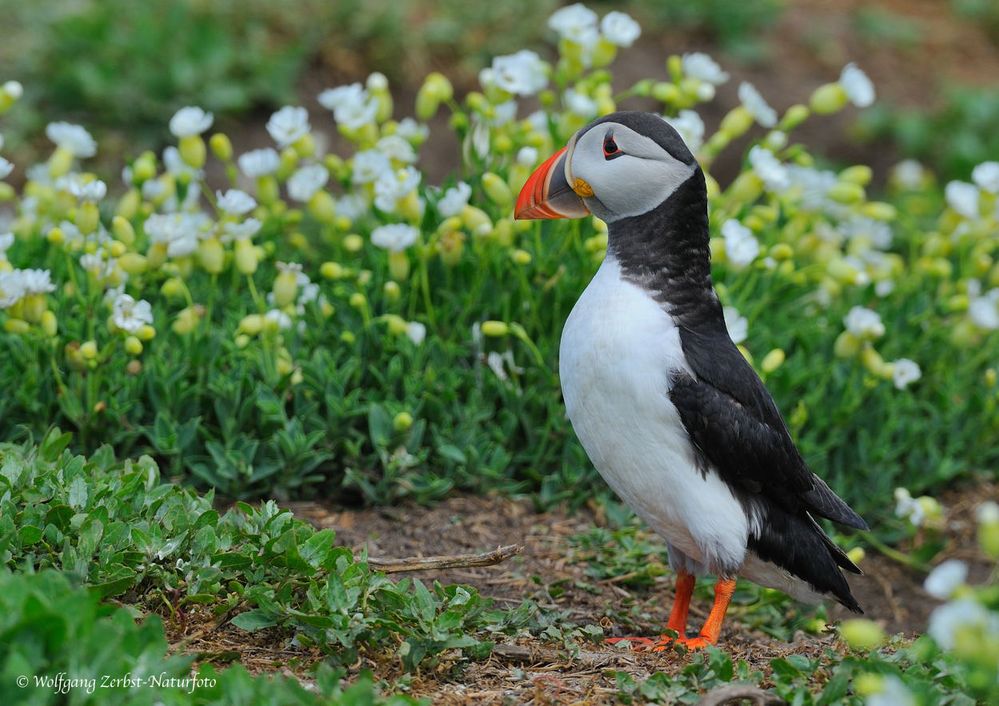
{"points": [[630, 186]]}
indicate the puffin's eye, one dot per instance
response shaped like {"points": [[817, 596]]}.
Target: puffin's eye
{"points": [[611, 150]]}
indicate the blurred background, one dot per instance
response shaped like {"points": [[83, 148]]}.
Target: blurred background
{"points": [[120, 66]]}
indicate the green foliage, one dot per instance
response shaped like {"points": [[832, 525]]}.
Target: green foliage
{"points": [[952, 138], [72, 648], [114, 527]]}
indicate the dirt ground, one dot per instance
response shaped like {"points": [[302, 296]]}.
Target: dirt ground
{"points": [[527, 671]]}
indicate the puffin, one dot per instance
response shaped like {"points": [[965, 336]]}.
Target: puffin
{"points": [[668, 410]]}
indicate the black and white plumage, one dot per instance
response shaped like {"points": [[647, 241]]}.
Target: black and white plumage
{"points": [[668, 410]]}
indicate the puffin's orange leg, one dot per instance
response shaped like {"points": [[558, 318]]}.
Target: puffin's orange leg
{"points": [[712, 626], [677, 617]]}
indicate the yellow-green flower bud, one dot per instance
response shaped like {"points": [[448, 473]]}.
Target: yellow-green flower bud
{"points": [[772, 360], [285, 288], [846, 192], [187, 320], [856, 555], [12, 325], [322, 207], [146, 333], [435, 90], [496, 189], [192, 150], [221, 146], [88, 350], [246, 257], [353, 243], [495, 329], [781, 252], [395, 323], [869, 684], [133, 346], [174, 288], [879, 211], [392, 291], [49, 323], [829, 98], [358, 300], [746, 188], [874, 363], [988, 530], [242, 340], [60, 162], [144, 167], [520, 257], [847, 345], [451, 245], [398, 265], [862, 634], [32, 307], [795, 116], [860, 174], [736, 122], [332, 270], [991, 377], [667, 93], [211, 255], [123, 230], [251, 324], [476, 220], [402, 421], [87, 217]]}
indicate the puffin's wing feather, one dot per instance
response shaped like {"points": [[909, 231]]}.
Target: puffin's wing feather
{"points": [[734, 422]]}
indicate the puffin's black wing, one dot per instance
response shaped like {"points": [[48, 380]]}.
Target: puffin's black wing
{"points": [[735, 424]]}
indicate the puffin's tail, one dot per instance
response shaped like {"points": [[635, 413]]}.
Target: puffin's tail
{"points": [[798, 545]]}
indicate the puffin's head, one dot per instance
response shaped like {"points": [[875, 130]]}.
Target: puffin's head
{"points": [[621, 165]]}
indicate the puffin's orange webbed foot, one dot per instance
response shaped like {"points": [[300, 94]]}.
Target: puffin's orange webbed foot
{"points": [[667, 643]]}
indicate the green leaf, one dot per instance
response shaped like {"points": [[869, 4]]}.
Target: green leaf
{"points": [[253, 620]]}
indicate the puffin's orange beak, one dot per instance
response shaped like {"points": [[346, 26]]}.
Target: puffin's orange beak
{"points": [[547, 193]]}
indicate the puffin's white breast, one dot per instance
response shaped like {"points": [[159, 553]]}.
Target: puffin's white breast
{"points": [[618, 352]]}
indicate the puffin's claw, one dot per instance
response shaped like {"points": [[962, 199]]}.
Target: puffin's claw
{"points": [[667, 643]]}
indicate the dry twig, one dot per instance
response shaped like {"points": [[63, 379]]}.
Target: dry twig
{"points": [[450, 561], [733, 693]]}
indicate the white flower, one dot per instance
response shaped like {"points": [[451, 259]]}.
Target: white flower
{"points": [[893, 692], [904, 372], [93, 190], [416, 332], [527, 156], [857, 85], [503, 113], [352, 106], [369, 165], [130, 315], [258, 163], [280, 318], [6, 240], [576, 23], [909, 174], [986, 175], [397, 147], [947, 620], [963, 198], [774, 174], [235, 202], [288, 125], [72, 138], [987, 513], [190, 121], [15, 284], [392, 187], [522, 74], [352, 206], [495, 362], [454, 200], [908, 508], [5, 168], [306, 181], [984, 310], [757, 105], [691, 128], [620, 29], [579, 103], [240, 231], [741, 246], [702, 67], [409, 129], [736, 323], [14, 89], [395, 236], [946, 578], [864, 323], [178, 231]]}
